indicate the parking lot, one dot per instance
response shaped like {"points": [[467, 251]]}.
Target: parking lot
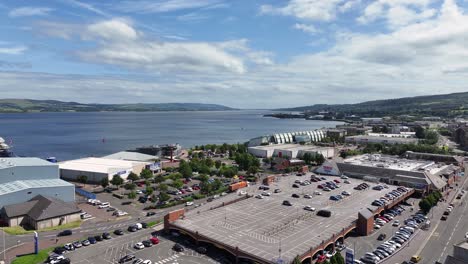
{"points": [[110, 251], [260, 226]]}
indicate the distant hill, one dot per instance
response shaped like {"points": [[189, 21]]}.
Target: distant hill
{"points": [[444, 105], [27, 105]]}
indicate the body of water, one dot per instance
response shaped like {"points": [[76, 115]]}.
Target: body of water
{"points": [[75, 135]]}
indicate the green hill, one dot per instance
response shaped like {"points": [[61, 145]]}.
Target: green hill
{"points": [[444, 105], [27, 105]]}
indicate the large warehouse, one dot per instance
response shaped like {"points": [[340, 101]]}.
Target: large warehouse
{"points": [[423, 175], [290, 150], [95, 169], [21, 179], [289, 137]]}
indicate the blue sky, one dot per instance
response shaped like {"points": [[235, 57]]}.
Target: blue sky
{"points": [[247, 54]]}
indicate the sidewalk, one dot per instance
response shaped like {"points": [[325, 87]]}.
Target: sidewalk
{"points": [[28, 247]]}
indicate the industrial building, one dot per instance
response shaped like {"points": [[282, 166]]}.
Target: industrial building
{"points": [[366, 139], [290, 137], [423, 175], [132, 156], [95, 169], [290, 151], [41, 212], [21, 179]]}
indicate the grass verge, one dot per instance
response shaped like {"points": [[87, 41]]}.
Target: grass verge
{"points": [[18, 230], [153, 223], [33, 259]]}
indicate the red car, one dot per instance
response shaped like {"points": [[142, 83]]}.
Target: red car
{"points": [[182, 191], [337, 181], [196, 188], [154, 240], [320, 186], [141, 184], [321, 258]]}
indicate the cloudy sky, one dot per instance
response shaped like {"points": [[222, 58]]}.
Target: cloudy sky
{"points": [[246, 54]]}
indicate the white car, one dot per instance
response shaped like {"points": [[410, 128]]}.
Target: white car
{"points": [[139, 191], [344, 177], [86, 216], [121, 213], [309, 208], [243, 192], [188, 203], [466, 235], [259, 196], [139, 245], [317, 193], [266, 193], [147, 262], [104, 205], [396, 223], [307, 196]]}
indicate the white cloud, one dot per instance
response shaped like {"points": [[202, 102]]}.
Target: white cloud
{"points": [[313, 10], [115, 29], [29, 11], [398, 12], [14, 50], [306, 28], [146, 6]]}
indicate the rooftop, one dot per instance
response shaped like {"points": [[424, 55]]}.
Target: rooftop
{"points": [[132, 156], [288, 147], [12, 162], [99, 165], [399, 139], [15, 186], [257, 226], [389, 162], [41, 208]]}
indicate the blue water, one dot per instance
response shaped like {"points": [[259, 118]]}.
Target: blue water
{"points": [[75, 135]]}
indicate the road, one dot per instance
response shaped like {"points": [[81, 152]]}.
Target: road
{"points": [[448, 233]]}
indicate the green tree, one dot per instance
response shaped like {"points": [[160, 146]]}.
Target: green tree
{"points": [[163, 187], [185, 169], [82, 179], [420, 132], [146, 174], [105, 182], [218, 164], [164, 197], [209, 162], [159, 179], [333, 260], [339, 258], [296, 260], [307, 158], [320, 159], [177, 184], [149, 190], [252, 170], [133, 177], [425, 205], [116, 180], [204, 178], [130, 186], [132, 195]]}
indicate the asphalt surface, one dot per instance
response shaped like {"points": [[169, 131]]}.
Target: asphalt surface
{"points": [[258, 226]]}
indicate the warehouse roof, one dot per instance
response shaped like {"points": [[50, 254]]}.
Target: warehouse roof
{"points": [[15, 186], [41, 208], [99, 165], [131, 156], [290, 147], [12, 162]]}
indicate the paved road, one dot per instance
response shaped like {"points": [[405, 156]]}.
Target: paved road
{"points": [[448, 233]]}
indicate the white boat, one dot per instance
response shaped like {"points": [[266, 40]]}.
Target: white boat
{"points": [[4, 149]]}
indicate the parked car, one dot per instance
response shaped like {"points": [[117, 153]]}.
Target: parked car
{"points": [[147, 243], [178, 247], [127, 258], [106, 235], [381, 237], [286, 202], [118, 232], [139, 245]]}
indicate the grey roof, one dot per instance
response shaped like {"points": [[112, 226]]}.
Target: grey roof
{"points": [[438, 182], [41, 208], [133, 156], [366, 213], [12, 162], [15, 186]]}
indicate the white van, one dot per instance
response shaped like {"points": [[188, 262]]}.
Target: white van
{"points": [[104, 205], [139, 226]]}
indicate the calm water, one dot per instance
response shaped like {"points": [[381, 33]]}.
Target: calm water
{"points": [[74, 135]]}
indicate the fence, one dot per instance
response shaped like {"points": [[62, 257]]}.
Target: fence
{"points": [[85, 193]]}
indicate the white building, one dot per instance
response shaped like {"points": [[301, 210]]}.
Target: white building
{"points": [[290, 150], [21, 179], [98, 168]]}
